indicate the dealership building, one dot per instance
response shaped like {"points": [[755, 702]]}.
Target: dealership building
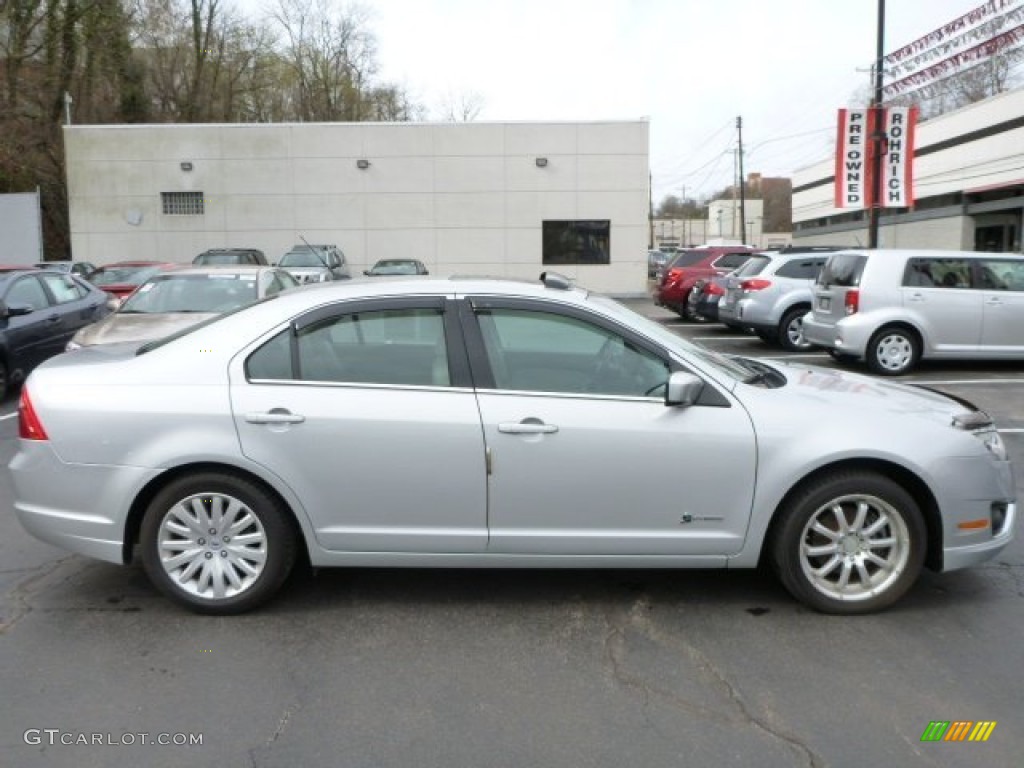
{"points": [[505, 199], [968, 185]]}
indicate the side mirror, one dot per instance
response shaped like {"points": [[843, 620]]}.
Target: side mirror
{"points": [[15, 310], [683, 389], [366, 272]]}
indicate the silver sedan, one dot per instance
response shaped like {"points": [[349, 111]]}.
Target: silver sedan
{"points": [[487, 423]]}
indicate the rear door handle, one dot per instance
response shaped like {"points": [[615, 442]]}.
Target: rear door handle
{"points": [[526, 428], [274, 416]]}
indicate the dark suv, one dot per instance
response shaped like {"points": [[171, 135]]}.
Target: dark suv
{"points": [[689, 266], [216, 257]]}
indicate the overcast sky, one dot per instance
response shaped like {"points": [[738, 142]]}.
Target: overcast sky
{"points": [[690, 66]]}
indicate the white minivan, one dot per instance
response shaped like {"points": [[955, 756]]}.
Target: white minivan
{"points": [[893, 307]]}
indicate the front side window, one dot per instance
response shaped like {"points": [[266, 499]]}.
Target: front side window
{"points": [[540, 351], [1000, 274], [577, 242], [27, 290]]}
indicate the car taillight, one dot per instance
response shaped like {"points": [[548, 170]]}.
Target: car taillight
{"points": [[755, 284], [29, 425], [714, 289], [852, 302], [673, 275]]}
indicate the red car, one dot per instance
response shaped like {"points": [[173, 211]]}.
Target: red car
{"points": [[123, 277], [689, 266]]}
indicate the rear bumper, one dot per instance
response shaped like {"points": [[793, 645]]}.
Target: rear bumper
{"points": [[848, 336], [85, 512]]}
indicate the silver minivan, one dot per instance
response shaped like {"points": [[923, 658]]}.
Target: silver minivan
{"points": [[893, 307]]}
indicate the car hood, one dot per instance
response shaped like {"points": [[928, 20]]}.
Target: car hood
{"points": [[858, 395], [119, 327]]}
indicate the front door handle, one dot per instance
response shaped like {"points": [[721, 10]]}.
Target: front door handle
{"points": [[275, 416], [527, 427]]}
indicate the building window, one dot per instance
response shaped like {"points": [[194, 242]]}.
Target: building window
{"points": [[577, 242], [182, 203]]}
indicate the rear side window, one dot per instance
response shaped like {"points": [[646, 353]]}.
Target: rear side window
{"points": [[937, 273], [755, 266], [801, 269], [843, 269], [687, 258], [732, 260], [1000, 274]]}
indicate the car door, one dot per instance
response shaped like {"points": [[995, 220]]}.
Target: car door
{"points": [[940, 297], [356, 408], [1001, 282], [33, 337], [77, 305], [585, 458]]}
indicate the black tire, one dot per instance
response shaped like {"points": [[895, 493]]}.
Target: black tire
{"points": [[4, 381], [685, 310], [803, 555], [790, 334], [259, 564], [893, 351]]}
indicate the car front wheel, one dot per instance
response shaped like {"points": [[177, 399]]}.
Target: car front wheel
{"points": [[217, 543], [850, 542]]}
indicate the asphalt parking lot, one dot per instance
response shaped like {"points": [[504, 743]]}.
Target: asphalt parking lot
{"points": [[484, 668]]}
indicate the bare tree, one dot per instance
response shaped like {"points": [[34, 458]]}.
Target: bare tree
{"points": [[462, 107]]}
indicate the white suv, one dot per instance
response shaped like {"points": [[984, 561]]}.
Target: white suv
{"points": [[893, 307], [772, 292]]}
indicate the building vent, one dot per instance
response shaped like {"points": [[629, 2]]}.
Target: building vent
{"points": [[182, 203]]}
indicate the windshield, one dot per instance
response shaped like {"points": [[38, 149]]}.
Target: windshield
{"points": [[302, 259], [228, 257], [394, 267], [191, 293], [688, 258], [843, 269], [122, 275]]}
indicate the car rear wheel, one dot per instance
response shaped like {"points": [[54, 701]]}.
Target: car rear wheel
{"points": [[217, 543], [850, 542], [687, 311], [791, 330], [893, 351], [4, 381]]}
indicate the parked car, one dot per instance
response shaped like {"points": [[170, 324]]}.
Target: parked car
{"points": [[772, 292], [704, 297], [528, 421], [893, 308], [172, 301], [79, 268], [39, 312], [656, 260], [396, 267], [690, 265], [121, 278], [315, 263], [231, 257]]}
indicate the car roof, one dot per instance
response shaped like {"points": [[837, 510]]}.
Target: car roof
{"points": [[139, 264], [224, 269]]}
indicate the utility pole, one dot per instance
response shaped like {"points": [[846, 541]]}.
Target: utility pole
{"points": [[878, 134], [743, 197]]}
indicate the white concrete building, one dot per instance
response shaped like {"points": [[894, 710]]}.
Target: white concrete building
{"points": [[968, 184], [509, 199]]}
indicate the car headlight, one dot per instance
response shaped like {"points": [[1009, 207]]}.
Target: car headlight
{"points": [[994, 442], [72, 346], [979, 424]]}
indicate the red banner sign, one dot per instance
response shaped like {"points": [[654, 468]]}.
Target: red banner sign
{"points": [[855, 153]]}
